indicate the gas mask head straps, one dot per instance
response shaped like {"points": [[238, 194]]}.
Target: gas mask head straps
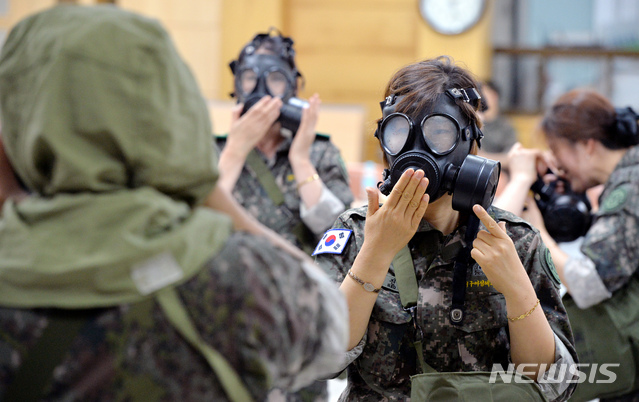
{"points": [[280, 45]]}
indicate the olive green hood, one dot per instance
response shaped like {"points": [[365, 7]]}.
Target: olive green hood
{"points": [[106, 127]]}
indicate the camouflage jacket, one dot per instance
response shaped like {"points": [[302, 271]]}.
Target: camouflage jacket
{"points": [[382, 371], [266, 315], [285, 218], [612, 243]]}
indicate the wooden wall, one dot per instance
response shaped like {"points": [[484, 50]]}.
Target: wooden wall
{"points": [[346, 49]]}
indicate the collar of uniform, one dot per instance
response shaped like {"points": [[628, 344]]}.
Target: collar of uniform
{"points": [[630, 158]]}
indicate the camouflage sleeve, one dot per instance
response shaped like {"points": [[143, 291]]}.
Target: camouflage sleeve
{"points": [[537, 261], [278, 322], [337, 265], [331, 168], [612, 243], [321, 216]]}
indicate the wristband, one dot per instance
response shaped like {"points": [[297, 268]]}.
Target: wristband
{"points": [[309, 179], [369, 287]]}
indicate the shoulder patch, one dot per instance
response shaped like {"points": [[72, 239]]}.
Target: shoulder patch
{"points": [[333, 242], [549, 266], [616, 199]]}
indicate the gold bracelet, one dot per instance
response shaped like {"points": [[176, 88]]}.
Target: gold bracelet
{"points": [[308, 180], [369, 287], [526, 314]]}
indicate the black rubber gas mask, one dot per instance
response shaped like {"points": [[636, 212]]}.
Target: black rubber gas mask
{"points": [[438, 141], [567, 215], [266, 74]]}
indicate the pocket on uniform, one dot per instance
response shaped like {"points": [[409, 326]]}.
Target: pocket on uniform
{"points": [[484, 312], [386, 342]]}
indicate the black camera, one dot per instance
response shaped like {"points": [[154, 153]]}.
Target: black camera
{"points": [[567, 215], [290, 112]]}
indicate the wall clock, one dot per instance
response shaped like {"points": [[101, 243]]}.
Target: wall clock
{"points": [[452, 17]]}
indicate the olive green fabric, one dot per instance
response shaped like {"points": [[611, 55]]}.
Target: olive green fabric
{"points": [[105, 125], [608, 333], [470, 386]]}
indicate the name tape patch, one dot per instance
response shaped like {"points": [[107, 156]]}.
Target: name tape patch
{"points": [[333, 242]]}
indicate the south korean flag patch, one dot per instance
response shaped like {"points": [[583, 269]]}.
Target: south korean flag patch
{"points": [[333, 241]]}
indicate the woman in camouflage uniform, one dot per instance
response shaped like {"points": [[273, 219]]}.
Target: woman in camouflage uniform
{"points": [[594, 143], [512, 311], [116, 283]]}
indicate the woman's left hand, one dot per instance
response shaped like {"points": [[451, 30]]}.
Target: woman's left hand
{"points": [[301, 145], [495, 253]]}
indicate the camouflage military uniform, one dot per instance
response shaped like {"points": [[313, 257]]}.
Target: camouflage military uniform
{"points": [[275, 305], [382, 370], [612, 243], [283, 219], [599, 281]]}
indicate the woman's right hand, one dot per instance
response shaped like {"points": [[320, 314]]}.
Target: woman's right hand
{"points": [[248, 129], [524, 163], [390, 227]]}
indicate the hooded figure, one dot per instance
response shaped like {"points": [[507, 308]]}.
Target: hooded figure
{"points": [[106, 128]]}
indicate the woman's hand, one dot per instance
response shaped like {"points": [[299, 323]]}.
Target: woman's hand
{"points": [[248, 129], [301, 145], [524, 163], [495, 253], [390, 227]]}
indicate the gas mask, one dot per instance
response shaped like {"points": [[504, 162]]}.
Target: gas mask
{"points": [[438, 141], [566, 215], [266, 74]]}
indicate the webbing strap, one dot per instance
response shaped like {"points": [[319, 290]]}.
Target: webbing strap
{"points": [[406, 281], [36, 372], [460, 272], [176, 313], [405, 278], [265, 177]]}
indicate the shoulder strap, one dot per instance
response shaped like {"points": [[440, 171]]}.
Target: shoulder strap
{"points": [[405, 278], [177, 314], [408, 293], [462, 263], [35, 373], [265, 177]]}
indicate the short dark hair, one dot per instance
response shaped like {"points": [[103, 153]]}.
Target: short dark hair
{"points": [[422, 82]]}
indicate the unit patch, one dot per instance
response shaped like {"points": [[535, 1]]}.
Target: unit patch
{"points": [[616, 199]]}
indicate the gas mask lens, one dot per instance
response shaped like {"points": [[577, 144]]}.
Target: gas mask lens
{"points": [[276, 83], [248, 81], [395, 130], [440, 133]]}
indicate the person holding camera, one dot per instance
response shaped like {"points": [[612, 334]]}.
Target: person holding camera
{"points": [[593, 144], [117, 283], [438, 282], [287, 176], [290, 178]]}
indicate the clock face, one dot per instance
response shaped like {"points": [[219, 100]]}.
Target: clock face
{"points": [[451, 17]]}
